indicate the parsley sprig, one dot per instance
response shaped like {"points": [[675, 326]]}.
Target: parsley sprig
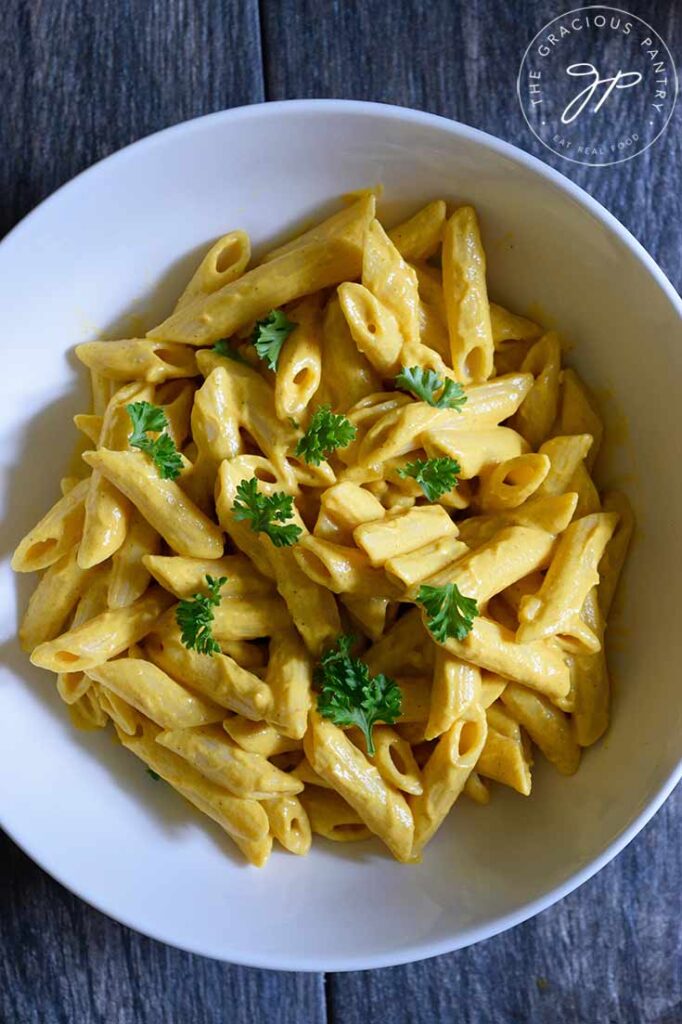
{"points": [[266, 514], [269, 335], [449, 612], [224, 347], [435, 476], [425, 383], [195, 615], [147, 418], [327, 432], [350, 696]]}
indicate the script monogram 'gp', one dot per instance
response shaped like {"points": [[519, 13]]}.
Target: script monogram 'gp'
{"points": [[621, 80]]}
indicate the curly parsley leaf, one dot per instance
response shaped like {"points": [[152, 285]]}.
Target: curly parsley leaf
{"points": [[224, 347], [327, 432], [350, 696], [435, 476], [425, 383], [194, 616], [449, 612], [269, 335], [146, 418], [266, 514]]}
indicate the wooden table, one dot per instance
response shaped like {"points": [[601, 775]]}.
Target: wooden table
{"points": [[81, 78]]}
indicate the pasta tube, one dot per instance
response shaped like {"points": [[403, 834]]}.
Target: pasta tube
{"points": [[578, 413], [511, 554], [548, 727], [466, 298], [382, 808], [512, 482], [56, 533], [312, 608], [222, 761], [225, 261], [71, 686], [162, 503], [404, 533], [305, 268], [138, 359], [299, 368], [219, 677], [445, 774], [289, 823], [419, 237], [347, 376], [508, 326], [394, 758], [613, 559], [417, 566], [342, 570], [259, 737], [506, 756], [540, 665], [184, 577], [103, 637], [393, 282], [456, 688], [52, 601], [330, 816], [289, 676], [374, 328], [474, 450], [538, 412], [245, 821], [154, 694], [573, 572], [129, 576]]}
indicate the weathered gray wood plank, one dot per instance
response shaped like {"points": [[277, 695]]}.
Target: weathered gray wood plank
{"points": [[64, 963], [611, 952], [460, 59], [79, 79]]}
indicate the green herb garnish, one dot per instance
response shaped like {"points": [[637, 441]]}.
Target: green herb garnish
{"points": [[266, 514], [425, 383], [449, 612], [435, 476], [147, 418], [269, 335], [195, 615], [350, 696], [327, 432]]}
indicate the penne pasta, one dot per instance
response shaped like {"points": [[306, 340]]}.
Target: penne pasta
{"points": [[445, 774], [334, 554], [225, 261], [381, 807], [103, 637], [154, 694], [466, 298], [162, 503]]}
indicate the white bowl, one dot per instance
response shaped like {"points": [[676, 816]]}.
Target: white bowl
{"points": [[118, 242]]}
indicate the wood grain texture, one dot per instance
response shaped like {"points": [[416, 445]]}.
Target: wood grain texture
{"points": [[460, 58], [80, 79], [65, 963], [610, 953]]}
